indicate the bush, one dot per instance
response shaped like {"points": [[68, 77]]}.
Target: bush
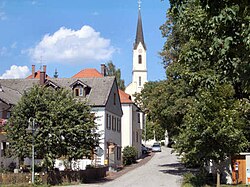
{"points": [[197, 179], [129, 155]]}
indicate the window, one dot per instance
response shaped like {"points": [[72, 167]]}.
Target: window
{"points": [[79, 92], [139, 80], [113, 123], [119, 153], [114, 98], [8, 115], [118, 124], [76, 92], [139, 59], [107, 121], [109, 126]]}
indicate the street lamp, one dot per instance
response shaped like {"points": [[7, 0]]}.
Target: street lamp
{"points": [[32, 128]]}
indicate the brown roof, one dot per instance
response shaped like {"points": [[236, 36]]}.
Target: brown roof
{"points": [[37, 75], [124, 97], [88, 73]]}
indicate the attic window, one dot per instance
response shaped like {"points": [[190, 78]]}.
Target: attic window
{"points": [[78, 92], [80, 89]]}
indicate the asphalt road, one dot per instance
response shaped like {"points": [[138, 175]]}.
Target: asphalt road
{"points": [[162, 170]]}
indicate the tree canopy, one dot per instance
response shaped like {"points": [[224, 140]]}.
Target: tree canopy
{"points": [[205, 99], [112, 71], [65, 126]]}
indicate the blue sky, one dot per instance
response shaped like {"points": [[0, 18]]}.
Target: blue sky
{"points": [[71, 35]]}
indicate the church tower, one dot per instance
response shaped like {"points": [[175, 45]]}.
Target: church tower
{"points": [[139, 73]]}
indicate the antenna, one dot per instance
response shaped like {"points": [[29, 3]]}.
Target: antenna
{"points": [[41, 62]]}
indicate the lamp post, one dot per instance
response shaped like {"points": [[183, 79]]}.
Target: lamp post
{"points": [[31, 128]]}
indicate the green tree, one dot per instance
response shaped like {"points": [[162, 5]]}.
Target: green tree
{"points": [[112, 71], [165, 103], [65, 126], [206, 56], [154, 131]]}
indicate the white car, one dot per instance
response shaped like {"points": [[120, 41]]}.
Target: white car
{"points": [[156, 147]]}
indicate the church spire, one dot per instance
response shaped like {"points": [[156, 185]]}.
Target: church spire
{"points": [[139, 33]]}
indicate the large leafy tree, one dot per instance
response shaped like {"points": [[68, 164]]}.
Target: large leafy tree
{"points": [[112, 71], [207, 54], [65, 126], [205, 100]]}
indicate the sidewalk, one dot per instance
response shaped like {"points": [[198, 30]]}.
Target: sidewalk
{"points": [[111, 175], [145, 158]]}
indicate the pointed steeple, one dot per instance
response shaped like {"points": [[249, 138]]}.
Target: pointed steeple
{"points": [[139, 33]]}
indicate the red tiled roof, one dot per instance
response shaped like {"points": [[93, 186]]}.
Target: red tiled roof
{"points": [[37, 75], [124, 97], [88, 73]]}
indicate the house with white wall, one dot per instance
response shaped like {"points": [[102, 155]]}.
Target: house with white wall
{"points": [[132, 123], [101, 93]]}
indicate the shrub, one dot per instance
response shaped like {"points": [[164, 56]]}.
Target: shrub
{"points": [[129, 155]]}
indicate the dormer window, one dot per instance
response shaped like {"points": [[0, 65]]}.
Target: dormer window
{"points": [[78, 92], [80, 89]]}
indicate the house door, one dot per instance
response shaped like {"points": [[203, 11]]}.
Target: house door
{"points": [[239, 169]]}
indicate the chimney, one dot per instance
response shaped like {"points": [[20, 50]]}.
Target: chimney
{"points": [[33, 71], [42, 78], [103, 70], [44, 69]]}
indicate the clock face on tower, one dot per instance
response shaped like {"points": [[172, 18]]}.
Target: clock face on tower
{"points": [[140, 51]]}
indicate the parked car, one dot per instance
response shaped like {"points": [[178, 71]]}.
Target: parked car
{"points": [[156, 147], [144, 149]]}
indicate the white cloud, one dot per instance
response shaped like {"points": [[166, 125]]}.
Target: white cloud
{"points": [[74, 46], [16, 72]]}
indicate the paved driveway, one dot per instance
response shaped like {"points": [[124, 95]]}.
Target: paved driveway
{"points": [[162, 170]]}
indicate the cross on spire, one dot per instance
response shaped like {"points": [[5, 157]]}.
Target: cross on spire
{"points": [[139, 4]]}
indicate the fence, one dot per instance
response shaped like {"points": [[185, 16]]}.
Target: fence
{"points": [[56, 177]]}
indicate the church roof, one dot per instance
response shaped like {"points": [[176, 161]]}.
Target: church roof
{"points": [[139, 33], [88, 73]]}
